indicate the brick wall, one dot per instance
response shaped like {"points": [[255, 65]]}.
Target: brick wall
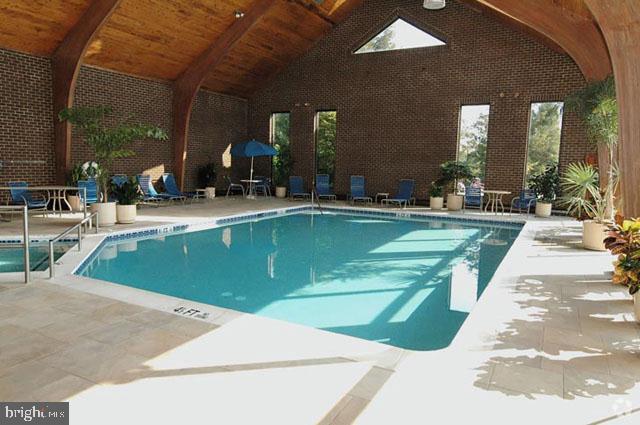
{"points": [[398, 111], [26, 120]]}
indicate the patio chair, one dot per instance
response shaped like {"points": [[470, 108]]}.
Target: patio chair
{"points": [[20, 195], [264, 186], [473, 197], [525, 201], [323, 187], [357, 192], [150, 194], [231, 187], [91, 187], [171, 187], [296, 188], [404, 195]]}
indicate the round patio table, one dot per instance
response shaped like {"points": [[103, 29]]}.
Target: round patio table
{"points": [[495, 200], [251, 188]]}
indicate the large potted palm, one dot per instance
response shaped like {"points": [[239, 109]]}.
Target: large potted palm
{"points": [[453, 172], [108, 144]]}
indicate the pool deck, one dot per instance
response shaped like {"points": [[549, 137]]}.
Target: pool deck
{"points": [[551, 340]]}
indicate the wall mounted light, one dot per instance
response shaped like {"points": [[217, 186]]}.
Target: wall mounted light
{"points": [[239, 14], [434, 4]]}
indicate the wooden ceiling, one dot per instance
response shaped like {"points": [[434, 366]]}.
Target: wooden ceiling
{"points": [[159, 39]]}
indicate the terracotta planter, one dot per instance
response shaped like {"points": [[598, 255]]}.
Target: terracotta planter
{"points": [[106, 213], [126, 214], [281, 192], [543, 209], [436, 203], [454, 202], [593, 234]]}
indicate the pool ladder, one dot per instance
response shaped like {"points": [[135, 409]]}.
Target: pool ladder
{"points": [[25, 235]]}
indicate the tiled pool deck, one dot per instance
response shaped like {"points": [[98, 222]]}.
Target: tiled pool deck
{"points": [[550, 341]]}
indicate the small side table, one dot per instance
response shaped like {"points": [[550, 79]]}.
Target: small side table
{"points": [[201, 194], [381, 196]]}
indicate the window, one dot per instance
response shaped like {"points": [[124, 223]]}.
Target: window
{"points": [[279, 138], [473, 132], [545, 128], [326, 143], [399, 35]]}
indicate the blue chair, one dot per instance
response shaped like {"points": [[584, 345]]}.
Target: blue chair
{"points": [[149, 192], [404, 195], [357, 191], [323, 187], [296, 188], [526, 200], [263, 186], [171, 187], [92, 191], [473, 197], [20, 195]]}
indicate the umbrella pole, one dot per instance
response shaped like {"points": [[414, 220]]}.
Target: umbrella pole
{"points": [[251, 180]]}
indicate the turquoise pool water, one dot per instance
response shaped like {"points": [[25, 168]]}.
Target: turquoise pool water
{"points": [[12, 259], [405, 283]]}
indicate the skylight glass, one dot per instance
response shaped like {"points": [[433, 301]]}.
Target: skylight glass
{"points": [[400, 35]]}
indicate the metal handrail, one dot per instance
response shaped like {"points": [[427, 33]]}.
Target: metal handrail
{"points": [[25, 236], [77, 226]]}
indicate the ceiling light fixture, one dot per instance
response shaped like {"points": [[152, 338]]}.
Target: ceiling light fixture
{"points": [[434, 4], [239, 14]]}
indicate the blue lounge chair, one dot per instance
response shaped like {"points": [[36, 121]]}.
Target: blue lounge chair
{"points": [[473, 197], [323, 187], [149, 192], [357, 192], [20, 195], [171, 187], [233, 187], [296, 188], [92, 191], [404, 195], [525, 201]]}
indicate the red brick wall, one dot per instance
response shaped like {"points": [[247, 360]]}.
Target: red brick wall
{"points": [[398, 111]]}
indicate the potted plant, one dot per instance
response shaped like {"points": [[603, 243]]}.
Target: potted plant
{"points": [[88, 170], [545, 185], [435, 196], [108, 143], [623, 240], [127, 195], [282, 166], [453, 172], [586, 202], [207, 179]]}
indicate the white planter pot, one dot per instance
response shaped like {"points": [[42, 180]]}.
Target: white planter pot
{"points": [[281, 192], [435, 203], [126, 214], [593, 234], [210, 192], [74, 202], [543, 209], [636, 305], [106, 213], [454, 202]]}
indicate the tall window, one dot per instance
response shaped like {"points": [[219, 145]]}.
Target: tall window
{"points": [[472, 138], [326, 143], [545, 129], [279, 137]]}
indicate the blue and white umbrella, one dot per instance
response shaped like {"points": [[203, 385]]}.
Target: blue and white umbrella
{"points": [[251, 149]]}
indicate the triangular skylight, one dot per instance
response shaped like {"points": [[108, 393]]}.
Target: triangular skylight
{"points": [[400, 35]]}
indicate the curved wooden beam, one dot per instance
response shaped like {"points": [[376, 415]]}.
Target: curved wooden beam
{"points": [[619, 21], [65, 64], [187, 85], [577, 35]]}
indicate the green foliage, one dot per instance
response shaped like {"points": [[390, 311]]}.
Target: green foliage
{"points": [[581, 193], [451, 172], [597, 106], [546, 184], [435, 191], [623, 240], [326, 143], [127, 193], [283, 161], [108, 143], [544, 137], [473, 145], [207, 175], [382, 41], [76, 173]]}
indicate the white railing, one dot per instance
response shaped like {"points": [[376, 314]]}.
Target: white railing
{"points": [[86, 222], [25, 235]]}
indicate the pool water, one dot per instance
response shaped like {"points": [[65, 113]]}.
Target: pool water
{"points": [[12, 258], [406, 283]]}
